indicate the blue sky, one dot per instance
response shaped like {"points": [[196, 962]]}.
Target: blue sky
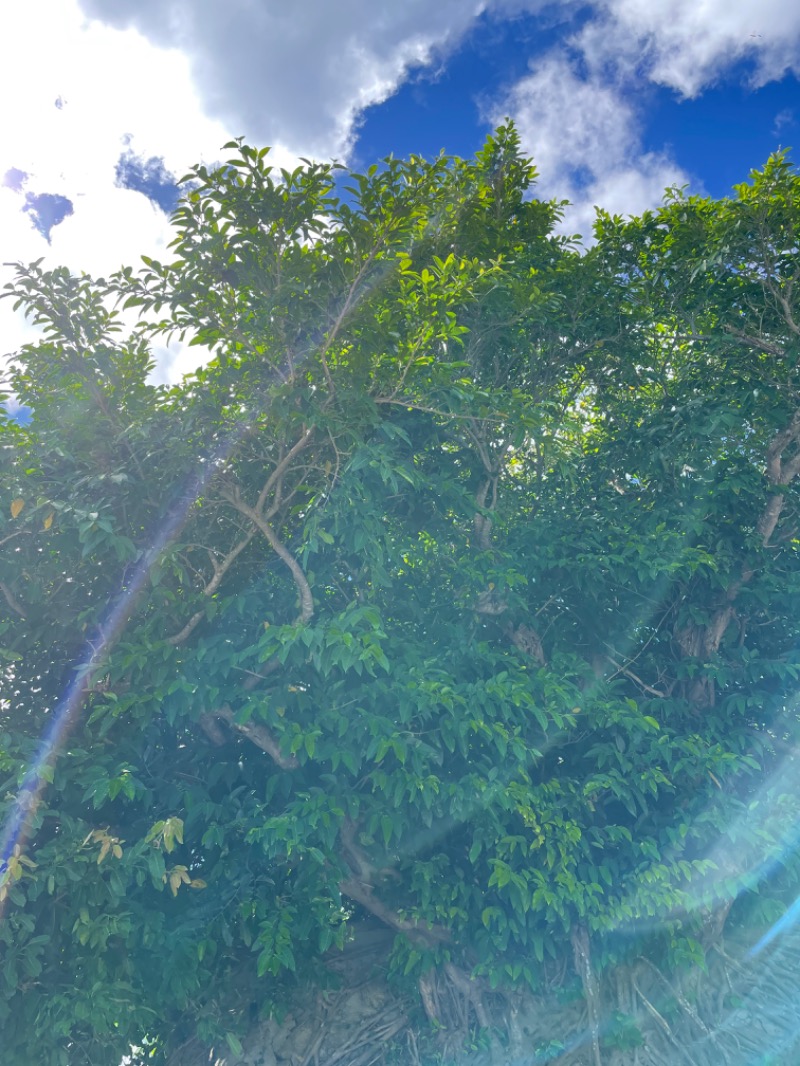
{"points": [[106, 101], [716, 137]]}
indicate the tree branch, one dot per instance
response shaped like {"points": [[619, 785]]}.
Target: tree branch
{"points": [[220, 569], [298, 574], [419, 932], [349, 303], [754, 342], [360, 887], [636, 679], [581, 953], [281, 468], [779, 474], [260, 735], [704, 641], [12, 601], [481, 522]]}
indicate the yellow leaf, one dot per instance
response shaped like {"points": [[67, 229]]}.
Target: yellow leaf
{"points": [[117, 851], [49, 520], [198, 882], [17, 506], [715, 780], [174, 883]]}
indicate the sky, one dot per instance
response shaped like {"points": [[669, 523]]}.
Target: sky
{"points": [[105, 103]]}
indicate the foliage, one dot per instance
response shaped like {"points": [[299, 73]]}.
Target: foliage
{"points": [[459, 590]]}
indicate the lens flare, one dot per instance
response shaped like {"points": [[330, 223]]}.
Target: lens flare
{"points": [[66, 712]]}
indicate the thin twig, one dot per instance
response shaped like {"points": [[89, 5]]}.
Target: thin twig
{"points": [[281, 467], [635, 677], [220, 569]]}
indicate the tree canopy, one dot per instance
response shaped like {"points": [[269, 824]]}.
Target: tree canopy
{"points": [[458, 595]]}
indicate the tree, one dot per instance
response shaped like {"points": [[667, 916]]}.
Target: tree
{"points": [[448, 615]]}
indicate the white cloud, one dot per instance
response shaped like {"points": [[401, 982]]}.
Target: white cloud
{"points": [[109, 228], [174, 80], [584, 139], [110, 84], [112, 87], [688, 44], [784, 120], [296, 74], [579, 110], [175, 359]]}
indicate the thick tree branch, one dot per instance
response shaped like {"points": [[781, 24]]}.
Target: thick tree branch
{"points": [[581, 953], [703, 642], [360, 887], [210, 727], [758, 343], [779, 473], [419, 932], [482, 522], [298, 574], [769, 518], [260, 735]]}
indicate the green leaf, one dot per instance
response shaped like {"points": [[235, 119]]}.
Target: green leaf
{"points": [[234, 1043]]}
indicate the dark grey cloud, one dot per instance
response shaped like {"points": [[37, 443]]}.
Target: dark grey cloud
{"points": [[296, 74]]}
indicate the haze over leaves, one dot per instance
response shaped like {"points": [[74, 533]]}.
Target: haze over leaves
{"points": [[457, 596]]}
